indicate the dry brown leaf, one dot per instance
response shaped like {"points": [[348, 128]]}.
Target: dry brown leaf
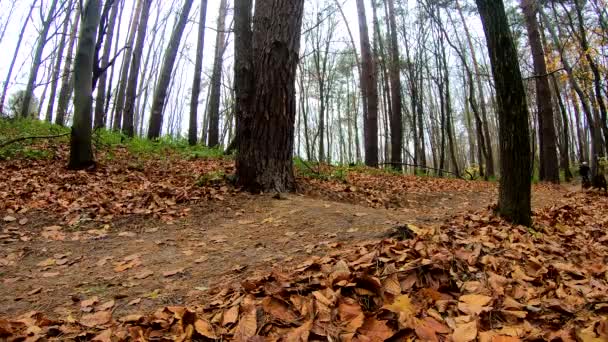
{"points": [[171, 273], [230, 316], [97, 319], [299, 334], [143, 274], [278, 309], [375, 330], [465, 332], [247, 326], [205, 329], [106, 306], [474, 304]]}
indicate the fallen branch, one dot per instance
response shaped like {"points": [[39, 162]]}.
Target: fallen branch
{"points": [[425, 167], [12, 141]]}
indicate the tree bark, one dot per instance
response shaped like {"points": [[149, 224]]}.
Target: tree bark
{"points": [[266, 67], [216, 78], [196, 83], [515, 182], [67, 81], [395, 83], [131, 91], [81, 151]]}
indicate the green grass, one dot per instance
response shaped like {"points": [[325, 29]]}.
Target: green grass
{"points": [[103, 140]]}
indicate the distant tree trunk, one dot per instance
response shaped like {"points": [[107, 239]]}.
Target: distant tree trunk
{"points": [[548, 153], [266, 125], [369, 84], [396, 120], [67, 81], [216, 78], [565, 150], [42, 40], [81, 151], [198, 68], [515, 181], [15, 55], [100, 114], [124, 74], [131, 93], [57, 68], [160, 93]]}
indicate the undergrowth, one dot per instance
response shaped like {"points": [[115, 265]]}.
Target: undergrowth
{"points": [[103, 141]]}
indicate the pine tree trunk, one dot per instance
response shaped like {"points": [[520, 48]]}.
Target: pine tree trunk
{"points": [[198, 68], [515, 182], [128, 127], [266, 124], [160, 92], [216, 78], [548, 152], [81, 151], [42, 40]]}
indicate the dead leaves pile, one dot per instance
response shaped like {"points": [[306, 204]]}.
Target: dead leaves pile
{"points": [[475, 278], [385, 190], [121, 186]]}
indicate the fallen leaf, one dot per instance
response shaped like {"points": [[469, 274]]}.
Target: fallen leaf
{"points": [[143, 274], [171, 273], [465, 332], [97, 319]]}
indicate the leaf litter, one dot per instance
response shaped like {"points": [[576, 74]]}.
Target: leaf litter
{"points": [[476, 277]]}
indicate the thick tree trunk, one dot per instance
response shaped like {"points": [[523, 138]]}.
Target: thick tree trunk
{"points": [[160, 93], [42, 40], [266, 124], [369, 84], [100, 113], [81, 151], [397, 119], [515, 182], [216, 78], [67, 81], [548, 152], [198, 68]]}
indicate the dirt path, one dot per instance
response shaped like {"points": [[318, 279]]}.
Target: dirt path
{"points": [[142, 264]]}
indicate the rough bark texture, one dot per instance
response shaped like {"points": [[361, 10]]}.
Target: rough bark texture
{"points": [[81, 151], [42, 40], [131, 92], [396, 120], [160, 93], [198, 68], [100, 114], [369, 86], [548, 152], [267, 104], [515, 181], [216, 78]]}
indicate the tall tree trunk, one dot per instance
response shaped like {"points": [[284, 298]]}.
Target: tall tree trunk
{"points": [[546, 128], [67, 81], [266, 125], [124, 69], [396, 120], [369, 84], [131, 92], [515, 181], [100, 113], [42, 40], [57, 69], [81, 151], [198, 68], [216, 78], [15, 55], [565, 150]]}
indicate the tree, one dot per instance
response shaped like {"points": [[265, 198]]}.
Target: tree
{"points": [[100, 112], [515, 181], [369, 85], [15, 105], [131, 92], [37, 62], [213, 136], [395, 81], [549, 167], [198, 68], [160, 93], [67, 80], [265, 70], [81, 150]]}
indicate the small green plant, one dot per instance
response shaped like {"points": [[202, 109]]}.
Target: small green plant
{"points": [[211, 178]]}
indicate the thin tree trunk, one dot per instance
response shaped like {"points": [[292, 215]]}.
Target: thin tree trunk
{"points": [[67, 81], [198, 68], [216, 78], [396, 120]]}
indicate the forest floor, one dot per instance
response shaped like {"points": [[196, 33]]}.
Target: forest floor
{"points": [[123, 249]]}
